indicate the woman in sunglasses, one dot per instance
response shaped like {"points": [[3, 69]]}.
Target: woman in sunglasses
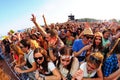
{"points": [[90, 68], [67, 63], [46, 69]]}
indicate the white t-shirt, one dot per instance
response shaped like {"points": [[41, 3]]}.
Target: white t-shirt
{"points": [[29, 56], [51, 67], [74, 68], [83, 67]]}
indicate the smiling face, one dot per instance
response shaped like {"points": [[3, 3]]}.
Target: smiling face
{"points": [[87, 39], [39, 58], [94, 61], [106, 35], [47, 37], [98, 40], [91, 67]]}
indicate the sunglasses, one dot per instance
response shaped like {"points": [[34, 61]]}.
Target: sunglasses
{"points": [[94, 60], [88, 37], [40, 58]]}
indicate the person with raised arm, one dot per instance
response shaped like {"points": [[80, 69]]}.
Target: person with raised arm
{"points": [[51, 36], [45, 21]]}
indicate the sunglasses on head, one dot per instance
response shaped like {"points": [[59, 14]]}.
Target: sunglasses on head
{"points": [[88, 37], [40, 58], [94, 60]]}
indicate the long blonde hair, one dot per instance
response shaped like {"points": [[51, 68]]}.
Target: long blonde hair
{"points": [[17, 49], [34, 44]]}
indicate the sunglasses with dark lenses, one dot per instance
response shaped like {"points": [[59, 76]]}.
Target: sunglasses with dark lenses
{"points": [[94, 60], [89, 37], [40, 58]]}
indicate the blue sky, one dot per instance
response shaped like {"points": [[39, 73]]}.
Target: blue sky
{"points": [[16, 14]]}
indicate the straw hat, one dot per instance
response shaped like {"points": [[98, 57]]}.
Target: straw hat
{"points": [[98, 34]]}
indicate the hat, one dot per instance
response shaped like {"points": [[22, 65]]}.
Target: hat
{"points": [[87, 30], [98, 34], [4, 37]]}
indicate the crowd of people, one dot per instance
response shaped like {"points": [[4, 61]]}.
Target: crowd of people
{"points": [[65, 51]]}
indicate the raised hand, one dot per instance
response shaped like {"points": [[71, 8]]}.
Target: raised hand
{"points": [[33, 19], [43, 16], [44, 20]]}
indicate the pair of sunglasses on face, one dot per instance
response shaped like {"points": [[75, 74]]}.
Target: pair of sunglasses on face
{"points": [[40, 58], [88, 36]]}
